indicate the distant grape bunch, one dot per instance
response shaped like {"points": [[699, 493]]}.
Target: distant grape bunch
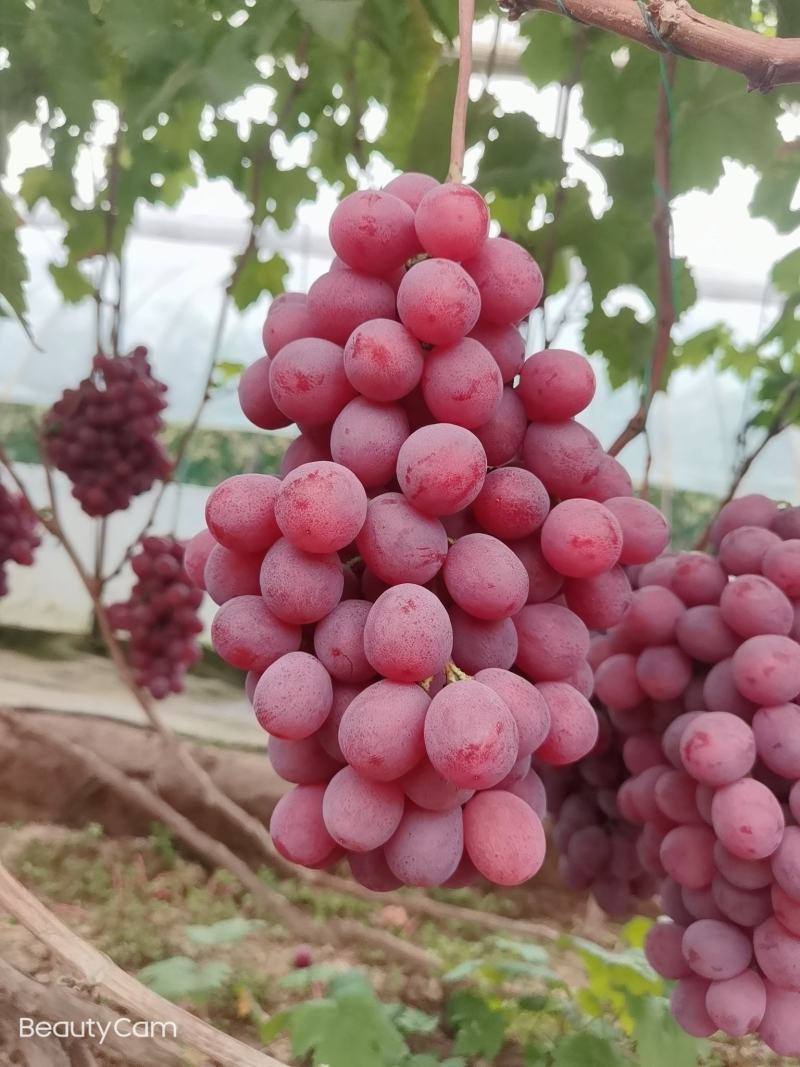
{"points": [[412, 598], [699, 780], [160, 617], [19, 538], [103, 434]]}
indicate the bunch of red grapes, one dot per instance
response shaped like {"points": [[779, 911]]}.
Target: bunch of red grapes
{"points": [[18, 533], [700, 682], [412, 599], [160, 617], [103, 435]]}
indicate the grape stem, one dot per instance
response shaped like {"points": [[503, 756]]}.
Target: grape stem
{"points": [[458, 134], [662, 234], [455, 674]]}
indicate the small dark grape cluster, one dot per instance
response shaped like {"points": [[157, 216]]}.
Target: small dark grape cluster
{"points": [[161, 617], [102, 435], [18, 535]]}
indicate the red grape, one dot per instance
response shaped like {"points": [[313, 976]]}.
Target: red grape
{"points": [[452, 221], [503, 837], [383, 360], [438, 301], [556, 384]]}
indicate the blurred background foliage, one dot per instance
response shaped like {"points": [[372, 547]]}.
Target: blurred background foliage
{"points": [[171, 69]]}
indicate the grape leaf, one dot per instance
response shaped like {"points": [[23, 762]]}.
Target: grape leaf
{"points": [[410, 1020], [714, 118], [13, 271], [635, 931], [775, 192], [331, 19], [788, 18], [520, 160], [352, 1031], [622, 339], [480, 1029], [428, 150], [72, 285], [228, 71], [180, 978], [225, 931], [257, 277], [285, 189], [660, 1042], [136, 30], [550, 52], [590, 1050], [786, 273]]}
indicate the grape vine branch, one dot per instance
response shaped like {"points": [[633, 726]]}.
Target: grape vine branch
{"points": [[458, 135], [662, 233], [764, 61], [101, 975]]}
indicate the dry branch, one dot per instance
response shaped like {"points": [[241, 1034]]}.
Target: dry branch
{"points": [[101, 975], [37, 785], [764, 61], [56, 1003], [271, 903]]}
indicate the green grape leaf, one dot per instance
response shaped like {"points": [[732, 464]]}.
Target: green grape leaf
{"points": [[86, 236], [635, 931], [136, 30], [520, 160], [714, 119], [270, 1027], [226, 931], [284, 190], [305, 977], [428, 147], [13, 270], [352, 1031], [775, 193], [550, 53], [180, 978], [71, 283], [480, 1028], [53, 184], [410, 1020], [332, 19], [444, 16], [228, 71], [788, 18], [622, 340], [256, 277], [590, 1050], [786, 273], [660, 1042]]}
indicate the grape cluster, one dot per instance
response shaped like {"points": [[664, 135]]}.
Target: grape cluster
{"points": [[412, 598], [18, 533], [102, 435], [700, 681], [160, 617]]}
